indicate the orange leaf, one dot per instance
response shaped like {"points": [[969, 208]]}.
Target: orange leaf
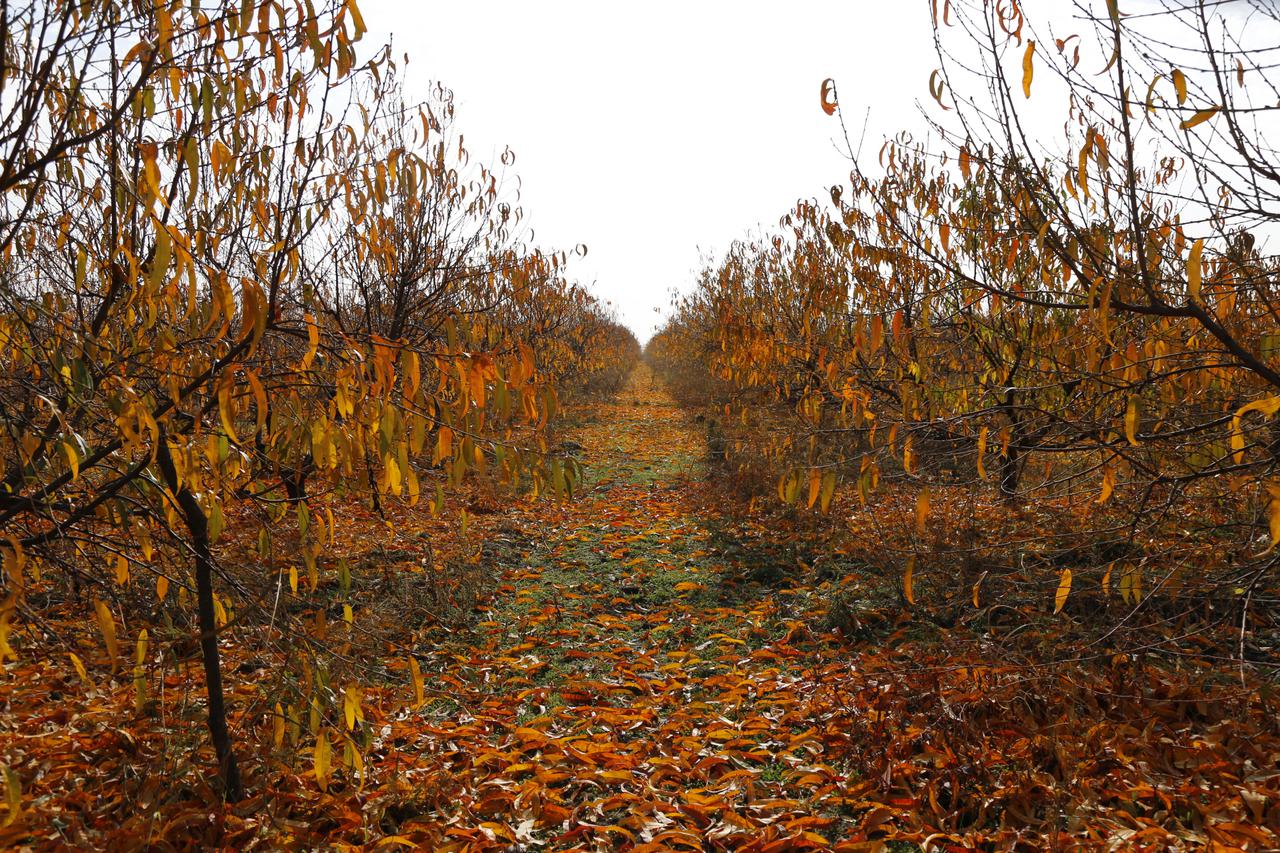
{"points": [[829, 103]]}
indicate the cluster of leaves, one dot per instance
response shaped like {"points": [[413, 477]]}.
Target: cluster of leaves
{"points": [[1088, 326], [245, 290]]}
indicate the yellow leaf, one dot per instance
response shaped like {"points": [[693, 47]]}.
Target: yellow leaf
{"points": [[419, 687], [12, 795], [1028, 68], [393, 476], [356, 17], [908, 580], [828, 489], [140, 652], [278, 727], [444, 444], [73, 459], [476, 381], [1180, 85], [79, 667], [163, 254], [413, 489], [1194, 269], [1108, 484], [815, 486], [1131, 421], [982, 450], [1064, 589], [313, 340], [323, 759], [259, 398], [1268, 406], [162, 587], [1199, 118], [922, 510], [140, 672], [1273, 515], [107, 625], [6, 615], [351, 710], [225, 413], [687, 586]]}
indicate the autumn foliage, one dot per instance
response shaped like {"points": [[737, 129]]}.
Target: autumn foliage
{"points": [[248, 290], [335, 513], [1062, 352]]}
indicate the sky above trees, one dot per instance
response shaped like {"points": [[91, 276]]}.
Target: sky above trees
{"points": [[656, 133]]}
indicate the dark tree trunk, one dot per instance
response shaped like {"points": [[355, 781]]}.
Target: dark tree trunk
{"points": [[198, 526], [1010, 471]]}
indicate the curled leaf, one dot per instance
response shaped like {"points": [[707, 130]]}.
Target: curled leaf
{"points": [[829, 96]]}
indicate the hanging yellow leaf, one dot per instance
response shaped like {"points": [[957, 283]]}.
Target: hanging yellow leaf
{"points": [[278, 726], [815, 486], [908, 580], [419, 686], [225, 412], [1028, 67], [73, 459], [1194, 269], [162, 587], [140, 672], [163, 254], [1180, 85], [922, 510], [476, 381], [982, 452], [1064, 590], [977, 585], [323, 759], [351, 710], [107, 625], [1131, 421], [828, 489], [1108, 484]]}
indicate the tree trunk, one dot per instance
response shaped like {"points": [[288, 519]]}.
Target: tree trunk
{"points": [[198, 526], [1010, 471]]}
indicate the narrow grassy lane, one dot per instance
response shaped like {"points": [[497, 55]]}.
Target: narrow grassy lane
{"points": [[635, 683]]}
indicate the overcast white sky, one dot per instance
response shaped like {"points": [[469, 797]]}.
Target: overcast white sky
{"points": [[652, 131]]}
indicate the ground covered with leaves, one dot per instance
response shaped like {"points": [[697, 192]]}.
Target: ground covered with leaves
{"points": [[649, 667]]}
